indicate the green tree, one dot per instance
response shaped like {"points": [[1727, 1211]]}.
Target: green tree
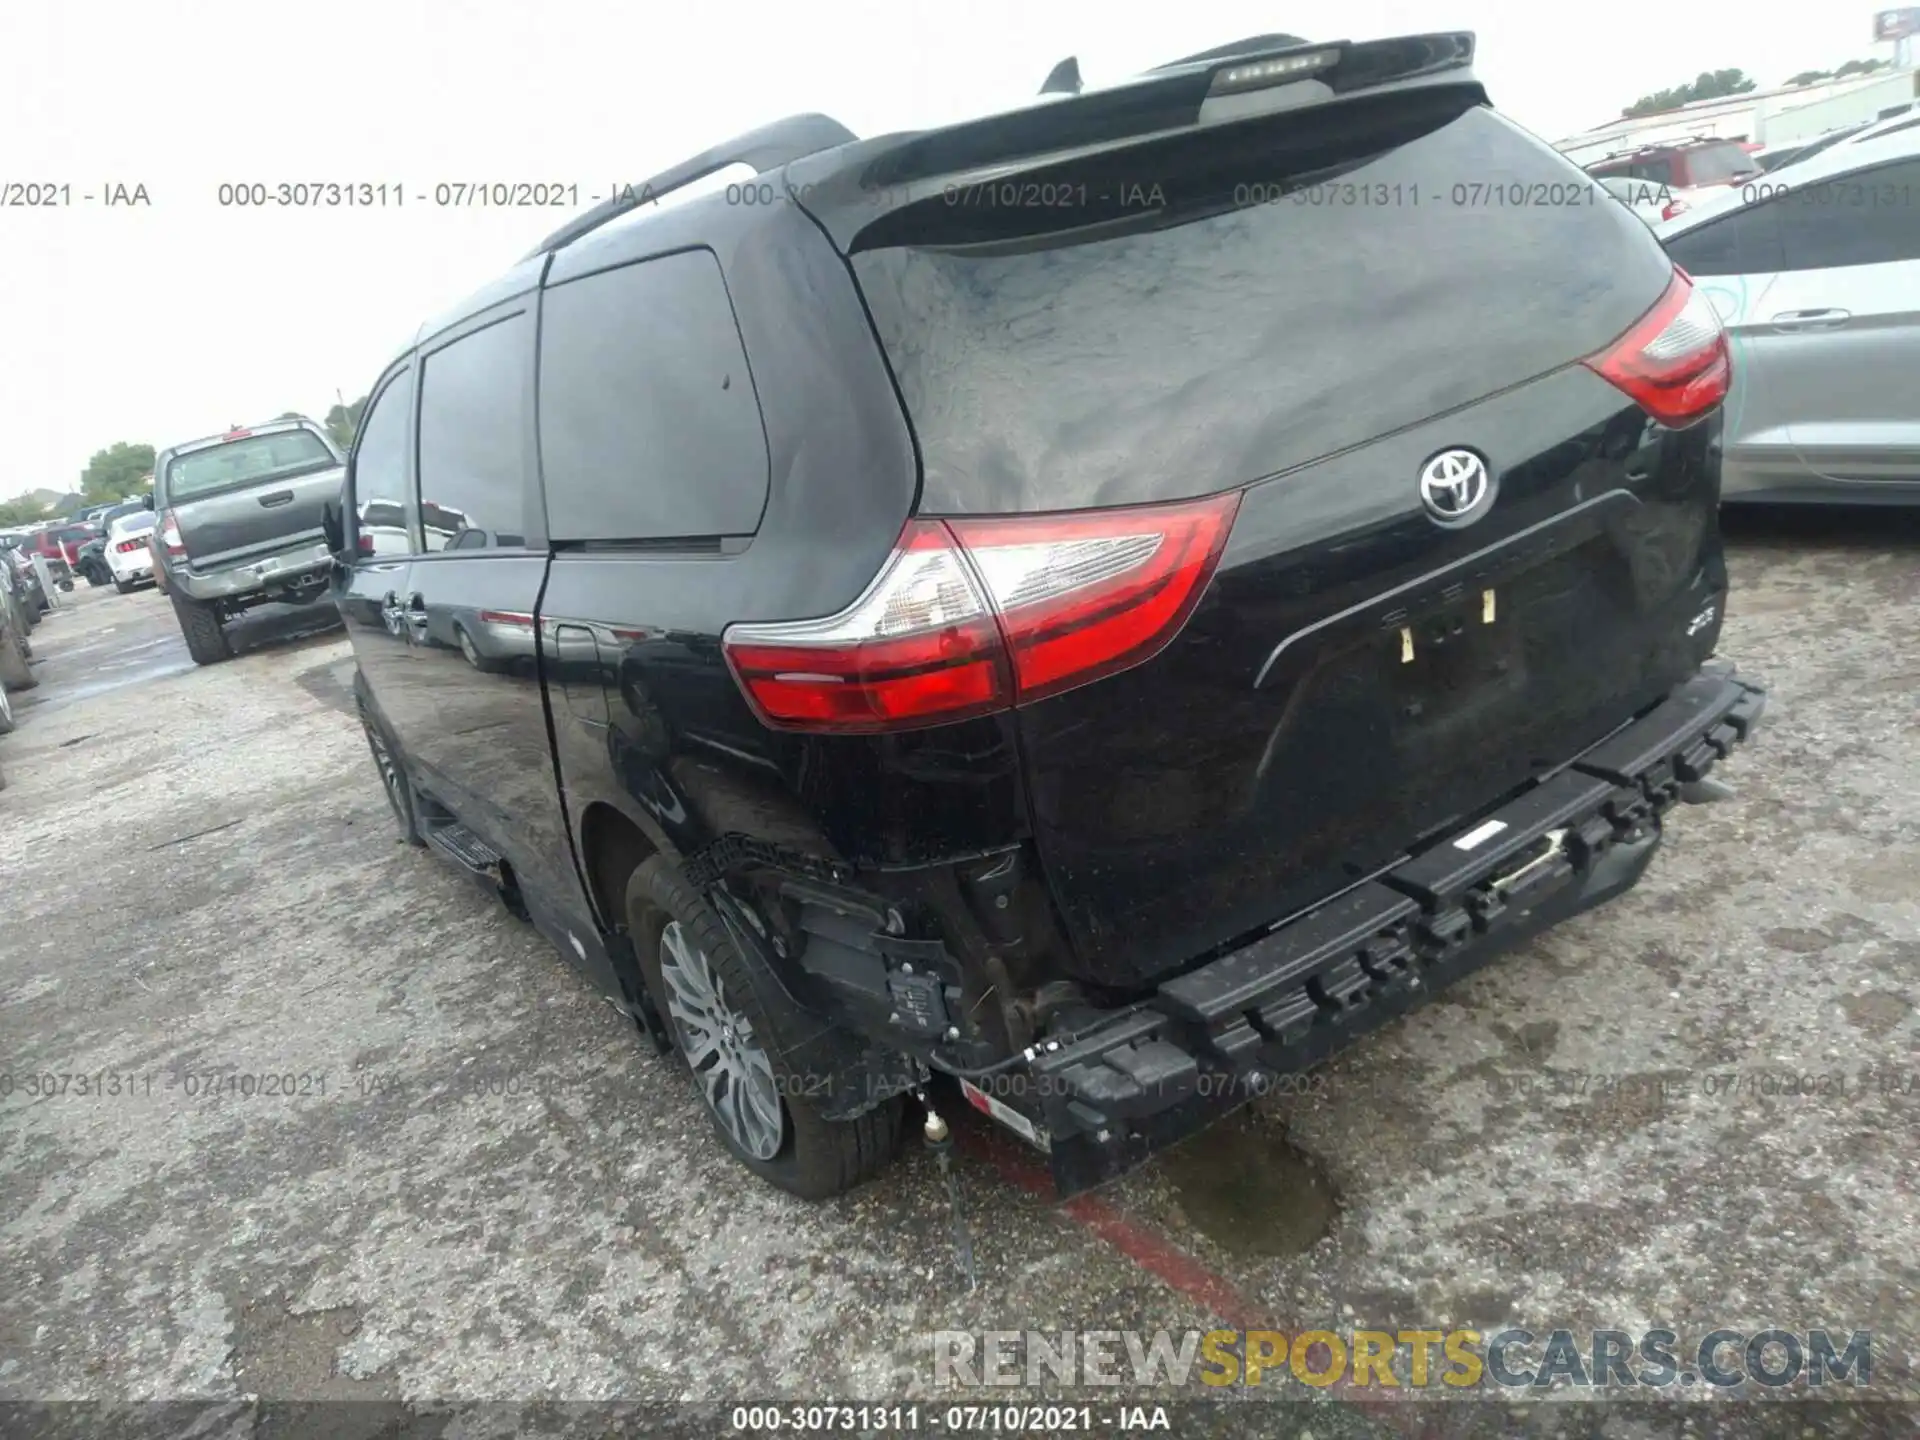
{"points": [[21, 511], [289, 415], [1852, 67], [1710, 85], [116, 473], [343, 422]]}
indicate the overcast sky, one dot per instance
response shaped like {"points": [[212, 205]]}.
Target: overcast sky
{"points": [[166, 322]]}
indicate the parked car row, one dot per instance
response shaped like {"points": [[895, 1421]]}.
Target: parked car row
{"points": [[22, 602]]}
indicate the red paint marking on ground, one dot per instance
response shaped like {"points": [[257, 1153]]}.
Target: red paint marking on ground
{"points": [[1156, 1256], [1168, 1263]]}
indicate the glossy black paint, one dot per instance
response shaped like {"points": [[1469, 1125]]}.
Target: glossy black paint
{"points": [[1273, 753], [1280, 749]]}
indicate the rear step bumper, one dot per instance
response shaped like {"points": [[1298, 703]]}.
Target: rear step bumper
{"points": [[1213, 1038]]}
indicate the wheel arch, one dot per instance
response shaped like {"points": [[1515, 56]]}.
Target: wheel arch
{"points": [[612, 847]]}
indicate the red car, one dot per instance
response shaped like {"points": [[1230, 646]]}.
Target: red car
{"points": [[62, 542]]}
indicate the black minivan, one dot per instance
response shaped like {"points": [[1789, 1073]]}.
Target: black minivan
{"points": [[1102, 603]]}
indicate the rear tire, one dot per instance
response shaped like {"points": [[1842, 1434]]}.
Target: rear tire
{"points": [[15, 672], [207, 639], [814, 1158]]}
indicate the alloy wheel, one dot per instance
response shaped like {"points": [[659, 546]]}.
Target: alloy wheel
{"points": [[735, 1073]]}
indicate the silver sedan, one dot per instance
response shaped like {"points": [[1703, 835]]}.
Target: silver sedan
{"points": [[1815, 270]]}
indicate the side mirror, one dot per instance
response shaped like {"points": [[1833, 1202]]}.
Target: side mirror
{"points": [[333, 524], [147, 500]]}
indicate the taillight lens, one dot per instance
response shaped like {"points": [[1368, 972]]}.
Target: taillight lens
{"points": [[1674, 361], [972, 616], [1673, 208], [127, 547], [170, 537], [364, 544]]}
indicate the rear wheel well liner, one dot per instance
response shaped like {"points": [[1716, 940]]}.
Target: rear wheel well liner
{"points": [[612, 847]]}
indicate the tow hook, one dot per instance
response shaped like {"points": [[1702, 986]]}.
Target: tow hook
{"points": [[1705, 791]]}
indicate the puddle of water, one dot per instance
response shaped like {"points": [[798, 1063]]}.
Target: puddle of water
{"points": [[1249, 1191]]}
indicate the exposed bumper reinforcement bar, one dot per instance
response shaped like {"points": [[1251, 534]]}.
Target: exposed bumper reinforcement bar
{"points": [[1214, 1037]]}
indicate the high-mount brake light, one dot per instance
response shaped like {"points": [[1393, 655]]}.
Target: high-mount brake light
{"points": [[1674, 361], [1257, 74], [971, 616]]}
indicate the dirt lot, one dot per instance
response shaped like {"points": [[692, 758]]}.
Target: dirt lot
{"points": [[484, 1187]]}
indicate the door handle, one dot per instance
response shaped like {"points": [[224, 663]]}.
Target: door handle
{"points": [[417, 611], [279, 497], [1828, 319], [392, 614]]}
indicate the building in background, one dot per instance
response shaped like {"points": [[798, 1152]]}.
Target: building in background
{"points": [[1759, 117]]}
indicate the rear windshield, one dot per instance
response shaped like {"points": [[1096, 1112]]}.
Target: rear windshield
{"points": [[1189, 317], [137, 523], [1717, 164], [275, 456]]}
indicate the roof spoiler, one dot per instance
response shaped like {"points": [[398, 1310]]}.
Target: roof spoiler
{"points": [[1216, 86], [768, 148]]}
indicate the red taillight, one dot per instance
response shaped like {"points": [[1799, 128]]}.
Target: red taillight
{"points": [[1675, 360], [127, 547], [170, 539], [970, 616], [365, 544], [1673, 208], [505, 617]]}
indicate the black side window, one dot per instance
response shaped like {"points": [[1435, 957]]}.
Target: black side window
{"points": [[380, 455], [472, 433], [1743, 242], [649, 427], [1871, 217]]}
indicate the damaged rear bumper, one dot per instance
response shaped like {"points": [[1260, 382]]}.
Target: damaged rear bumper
{"points": [[1140, 1079]]}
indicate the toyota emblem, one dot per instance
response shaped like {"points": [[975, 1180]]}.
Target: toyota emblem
{"points": [[1455, 487]]}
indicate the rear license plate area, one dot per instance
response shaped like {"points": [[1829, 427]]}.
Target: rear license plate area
{"points": [[1453, 664]]}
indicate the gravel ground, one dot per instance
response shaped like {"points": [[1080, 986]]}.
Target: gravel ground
{"points": [[483, 1188]]}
